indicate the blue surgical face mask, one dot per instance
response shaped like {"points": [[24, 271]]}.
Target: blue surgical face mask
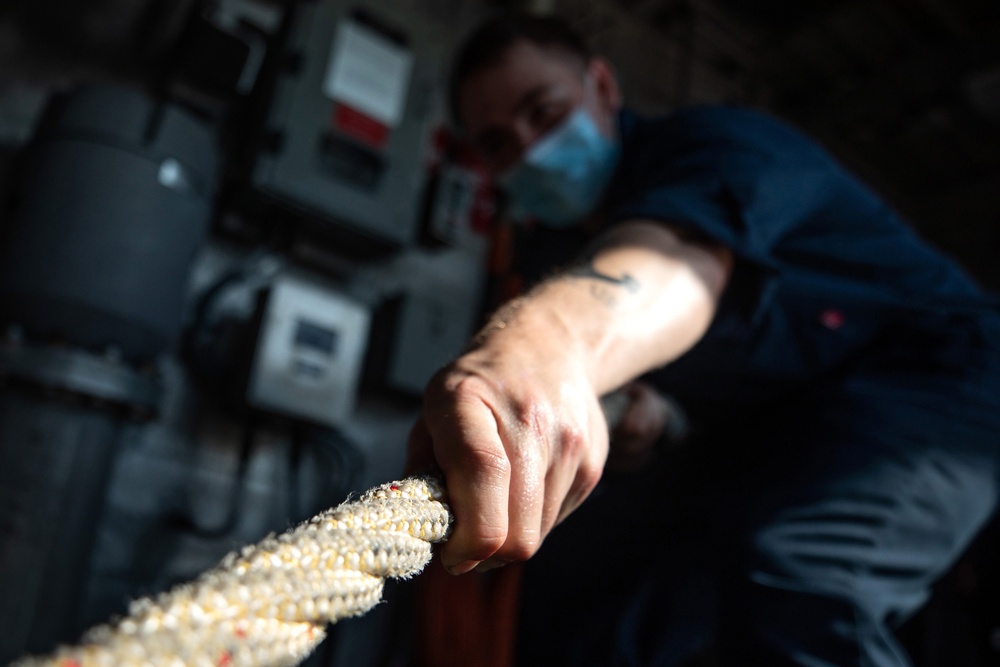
{"points": [[562, 177]]}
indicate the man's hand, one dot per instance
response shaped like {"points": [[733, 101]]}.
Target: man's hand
{"points": [[520, 436]]}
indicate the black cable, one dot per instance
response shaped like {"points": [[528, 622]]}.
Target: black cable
{"points": [[237, 497], [343, 466], [162, 537]]}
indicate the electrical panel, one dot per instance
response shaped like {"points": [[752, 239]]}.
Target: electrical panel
{"points": [[351, 119], [418, 334], [309, 352]]}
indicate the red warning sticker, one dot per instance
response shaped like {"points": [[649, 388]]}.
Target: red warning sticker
{"points": [[359, 126]]}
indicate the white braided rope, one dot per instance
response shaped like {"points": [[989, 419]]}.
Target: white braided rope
{"points": [[269, 604]]}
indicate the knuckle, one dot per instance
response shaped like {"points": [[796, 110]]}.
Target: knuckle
{"points": [[573, 442], [479, 540], [463, 387], [532, 413], [455, 385], [489, 463], [438, 385], [587, 478], [520, 549], [487, 541]]}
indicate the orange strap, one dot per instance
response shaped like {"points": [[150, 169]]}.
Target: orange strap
{"points": [[466, 620]]}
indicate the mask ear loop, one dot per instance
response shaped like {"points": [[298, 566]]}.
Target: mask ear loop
{"points": [[591, 103]]}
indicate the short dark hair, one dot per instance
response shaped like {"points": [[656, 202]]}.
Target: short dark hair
{"points": [[487, 44]]}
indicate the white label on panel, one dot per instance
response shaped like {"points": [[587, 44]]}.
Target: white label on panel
{"points": [[368, 72]]}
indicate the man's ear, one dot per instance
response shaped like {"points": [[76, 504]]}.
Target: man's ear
{"points": [[608, 92]]}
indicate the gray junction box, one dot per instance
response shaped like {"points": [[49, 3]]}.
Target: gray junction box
{"points": [[351, 124]]}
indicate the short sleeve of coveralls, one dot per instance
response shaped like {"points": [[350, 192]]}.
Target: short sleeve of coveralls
{"points": [[823, 265], [736, 177]]}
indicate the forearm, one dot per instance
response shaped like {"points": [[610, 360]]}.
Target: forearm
{"points": [[643, 298]]}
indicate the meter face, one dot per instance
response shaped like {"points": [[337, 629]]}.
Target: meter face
{"points": [[309, 352]]}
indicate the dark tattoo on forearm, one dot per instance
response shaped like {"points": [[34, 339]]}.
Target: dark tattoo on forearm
{"points": [[602, 290], [588, 271]]}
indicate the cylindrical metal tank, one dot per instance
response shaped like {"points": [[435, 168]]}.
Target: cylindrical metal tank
{"points": [[110, 204], [61, 414]]}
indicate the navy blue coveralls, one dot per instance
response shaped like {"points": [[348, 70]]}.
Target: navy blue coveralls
{"points": [[845, 411]]}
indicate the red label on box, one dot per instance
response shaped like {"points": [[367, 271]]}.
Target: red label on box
{"points": [[355, 124]]}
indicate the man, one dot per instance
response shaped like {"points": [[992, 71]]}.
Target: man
{"points": [[842, 379]]}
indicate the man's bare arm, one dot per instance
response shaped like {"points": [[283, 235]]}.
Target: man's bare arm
{"points": [[515, 423]]}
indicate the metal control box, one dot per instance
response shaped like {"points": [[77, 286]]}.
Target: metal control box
{"points": [[431, 331], [309, 352], [350, 122], [414, 334]]}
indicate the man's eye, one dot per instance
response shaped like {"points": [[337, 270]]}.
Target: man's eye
{"points": [[546, 115]]}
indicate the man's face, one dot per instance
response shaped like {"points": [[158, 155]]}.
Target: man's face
{"points": [[506, 107]]}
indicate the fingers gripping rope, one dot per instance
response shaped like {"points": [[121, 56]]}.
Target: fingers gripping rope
{"points": [[269, 604]]}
